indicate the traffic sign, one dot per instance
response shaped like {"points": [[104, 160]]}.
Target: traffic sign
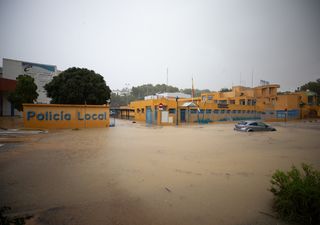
{"points": [[160, 106]]}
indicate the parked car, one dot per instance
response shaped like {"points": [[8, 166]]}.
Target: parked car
{"points": [[249, 126]]}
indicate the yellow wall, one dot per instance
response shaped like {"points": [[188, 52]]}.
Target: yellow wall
{"points": [[140, 108], [207, 110], [290, 101], [65, 116]]}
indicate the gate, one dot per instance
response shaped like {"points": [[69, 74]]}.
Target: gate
{"points": [[148, 115], [182, 115]]}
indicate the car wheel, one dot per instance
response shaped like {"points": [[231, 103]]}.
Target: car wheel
{"points": [[249, 130]]}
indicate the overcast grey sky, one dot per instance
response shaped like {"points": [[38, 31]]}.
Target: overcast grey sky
{"points": [[216, 42]]}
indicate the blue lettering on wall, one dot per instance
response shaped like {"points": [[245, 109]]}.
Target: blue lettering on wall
{"points": [[40, 116], [67, 116], [30, 114], [59, 116], [79, 116], [56, 116], [87, 116]]}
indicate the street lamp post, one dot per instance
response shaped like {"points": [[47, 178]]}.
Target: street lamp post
{"points": [[127, 91], [177, 113]]}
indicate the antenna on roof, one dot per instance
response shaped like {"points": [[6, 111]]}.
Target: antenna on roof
{"points": [[252, 79]]}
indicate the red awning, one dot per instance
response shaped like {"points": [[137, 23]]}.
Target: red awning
{"points": [[7, 84]]}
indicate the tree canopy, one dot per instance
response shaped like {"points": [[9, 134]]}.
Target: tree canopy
{"points": [[197, 92], [225, 89], [78, 86], [313, 86], [26, 92]]}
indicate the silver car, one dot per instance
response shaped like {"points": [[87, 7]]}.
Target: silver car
{"points": [[249, 126]]}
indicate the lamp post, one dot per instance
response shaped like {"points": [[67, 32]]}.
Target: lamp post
{"points": [[177, 117], [127, 91]]}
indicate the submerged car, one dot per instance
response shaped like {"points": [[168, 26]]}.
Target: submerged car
{"points": [[249, 126]]}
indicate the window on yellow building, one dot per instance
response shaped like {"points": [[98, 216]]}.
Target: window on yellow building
{"points": [[172, 111], [232, 102], [210, 97], [254, 102], [193, 111], [142, 110], [242, 101], [216, 111], [138, 110], [204, 98]]}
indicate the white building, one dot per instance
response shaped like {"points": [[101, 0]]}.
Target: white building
{"points": [[11, 69], [122, 92], [167, 95]]}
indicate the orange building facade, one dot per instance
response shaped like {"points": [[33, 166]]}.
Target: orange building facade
{"points": [[241, 103]]}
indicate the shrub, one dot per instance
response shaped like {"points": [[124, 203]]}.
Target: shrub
{"points": [[6, 220], [297, 194]]}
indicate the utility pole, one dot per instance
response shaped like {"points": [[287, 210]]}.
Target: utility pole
{"points": [[177, 112], [252, 79], [127, 91], [167, 80]]}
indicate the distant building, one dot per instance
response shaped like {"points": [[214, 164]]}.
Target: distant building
{"points": [[172, 95], [42, 74], [122, 92]]}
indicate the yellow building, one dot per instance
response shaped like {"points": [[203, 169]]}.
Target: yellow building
{"points": [[241, 103], [65, 116]]}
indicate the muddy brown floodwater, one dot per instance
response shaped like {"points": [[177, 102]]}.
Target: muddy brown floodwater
{"points": [[134, 174]]}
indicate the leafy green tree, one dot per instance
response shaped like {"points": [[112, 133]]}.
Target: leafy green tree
{"points": [[26, 92], [197, 92], [225, 90], [78, 86], [118, 100], [312, 86]]}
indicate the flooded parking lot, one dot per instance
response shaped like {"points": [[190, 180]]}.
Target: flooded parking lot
{"points": [[135, 174]]}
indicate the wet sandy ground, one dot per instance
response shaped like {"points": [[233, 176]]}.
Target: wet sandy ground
{"points": [[134, 174]]}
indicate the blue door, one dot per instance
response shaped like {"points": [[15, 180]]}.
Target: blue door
{"points": [[148, 115], [155, 115], [182, 115]]}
